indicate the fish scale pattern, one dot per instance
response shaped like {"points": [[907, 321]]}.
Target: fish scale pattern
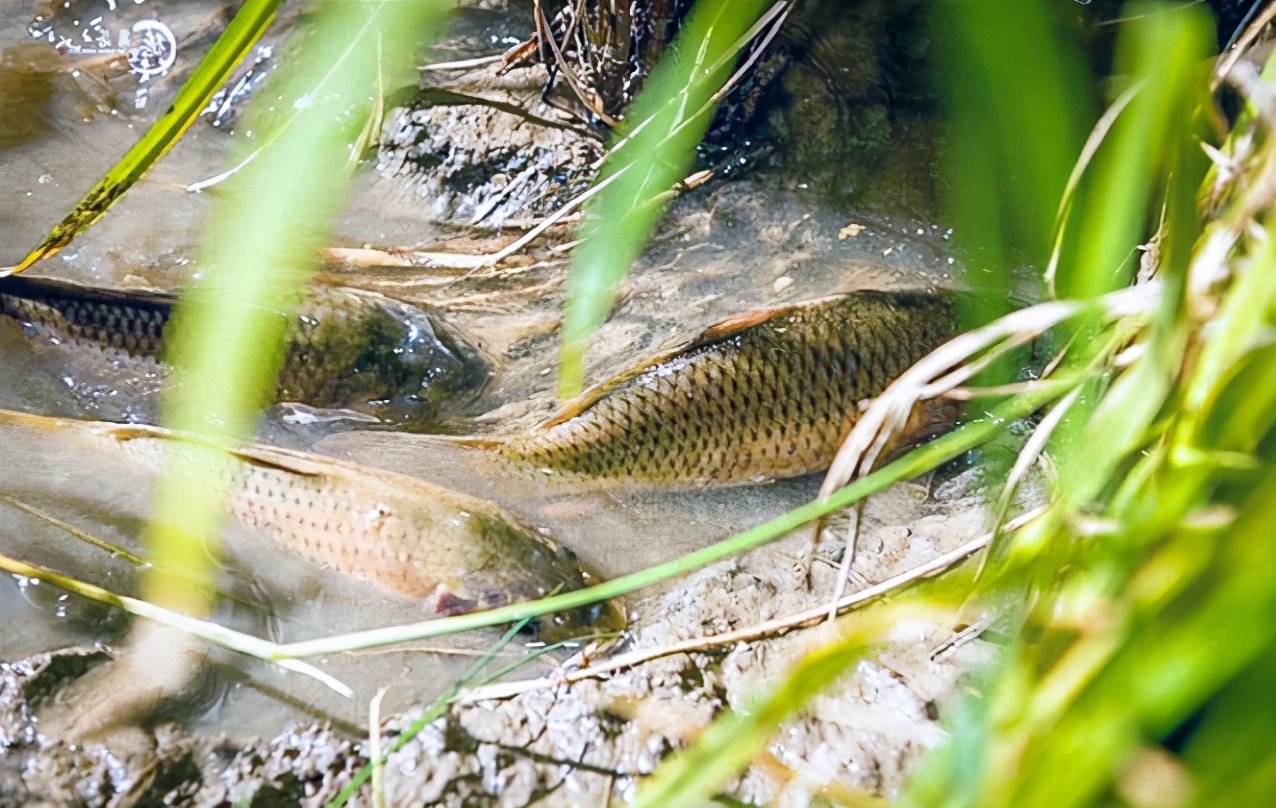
{"points": [[772, 400], [136, 331], [345, 347]]}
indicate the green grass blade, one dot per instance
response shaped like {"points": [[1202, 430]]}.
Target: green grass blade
{"points": [[436, 708], [915, 462], [1010, 148], [657, 154], [1165, 50], [227, 335], [691, 777], [228, 51]]}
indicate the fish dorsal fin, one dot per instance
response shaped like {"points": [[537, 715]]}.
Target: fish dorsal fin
{"points": [[265, 456], [719, 331], [730, 326], [55, 287]]}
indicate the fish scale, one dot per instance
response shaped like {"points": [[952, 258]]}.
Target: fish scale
{"points": [[137, 331], [766, 395], [345, 348]]}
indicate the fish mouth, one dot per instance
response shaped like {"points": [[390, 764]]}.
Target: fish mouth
{"points": [[604, 619]]}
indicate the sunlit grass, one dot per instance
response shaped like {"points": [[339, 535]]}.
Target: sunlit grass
{"points": [[654, 149], [226, 337]]}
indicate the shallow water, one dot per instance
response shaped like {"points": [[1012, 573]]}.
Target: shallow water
{"points": [[759, 240]]}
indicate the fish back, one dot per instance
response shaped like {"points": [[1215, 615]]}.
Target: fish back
{"points": [[130, 325], [773, 398]]}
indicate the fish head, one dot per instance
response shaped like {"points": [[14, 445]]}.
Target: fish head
{"points": [[599, 619], [429, 363], [521, 565], [370, 353]]}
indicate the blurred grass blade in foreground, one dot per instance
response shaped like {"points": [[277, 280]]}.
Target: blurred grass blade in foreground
{"points": [[1019, 102], [228, 51], [663, 127], [226, 337], [690, 778], [1162, 51]]}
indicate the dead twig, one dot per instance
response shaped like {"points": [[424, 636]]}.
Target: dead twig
{"points": [[1226, 63], [759, 631]]}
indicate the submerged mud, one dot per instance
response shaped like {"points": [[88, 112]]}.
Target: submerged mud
{"points": [[578, 744]]}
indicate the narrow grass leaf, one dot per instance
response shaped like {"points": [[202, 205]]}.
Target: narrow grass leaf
{"points": [[691, 777], [916, 462], [667, 123], [228, 51], [226, 337], [426, 718]]}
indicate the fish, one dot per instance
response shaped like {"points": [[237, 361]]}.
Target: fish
{"points": [[452, 552], [767, 394], [347, 348]]}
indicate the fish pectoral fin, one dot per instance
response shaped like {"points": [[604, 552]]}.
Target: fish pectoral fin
{"points": [[285, 461], [261, 456], [127, 432]]}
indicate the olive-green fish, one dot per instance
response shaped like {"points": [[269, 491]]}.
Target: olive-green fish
{"points": [[452, 552], [768, 394], [348, 348]]}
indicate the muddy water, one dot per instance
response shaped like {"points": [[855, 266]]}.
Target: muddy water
{"points": [[759, 240]]}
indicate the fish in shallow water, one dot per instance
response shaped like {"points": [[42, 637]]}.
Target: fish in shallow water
{"points": [[348, 348], [452, 552], [768, 394]]}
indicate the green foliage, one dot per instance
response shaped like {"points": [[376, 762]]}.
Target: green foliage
{"points": [[1018, 108], [1142, 604], [227, 335]]}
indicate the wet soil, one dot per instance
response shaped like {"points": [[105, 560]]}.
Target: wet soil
{"points": [[583, 743]]}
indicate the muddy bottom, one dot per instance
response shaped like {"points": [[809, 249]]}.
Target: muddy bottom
{"points": [[554, 742]]}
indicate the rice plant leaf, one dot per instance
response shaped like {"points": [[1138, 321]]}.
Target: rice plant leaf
{"points": [[228, 51]]}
